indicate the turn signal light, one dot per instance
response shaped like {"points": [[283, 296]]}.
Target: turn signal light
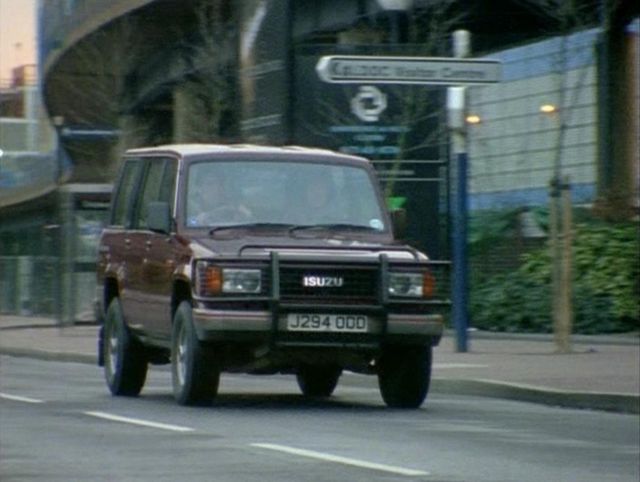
{"points": [[212, 280], [428, 285]]}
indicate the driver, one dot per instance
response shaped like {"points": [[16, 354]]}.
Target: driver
{"points": [[208, 203]]}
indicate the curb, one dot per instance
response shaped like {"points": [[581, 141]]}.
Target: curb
{"points": [[609, 402], [56, 356], [632, 339]]}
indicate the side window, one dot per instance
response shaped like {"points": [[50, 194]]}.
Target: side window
{"points": [[150, 191], [167, 188], [159, 181], [121, 209]]}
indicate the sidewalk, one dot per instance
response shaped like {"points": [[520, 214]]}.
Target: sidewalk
{"points": [[602, 372]]}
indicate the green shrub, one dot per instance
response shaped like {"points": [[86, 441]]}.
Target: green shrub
{"points": [[606, 286]]}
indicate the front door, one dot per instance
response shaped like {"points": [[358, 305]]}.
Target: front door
{"points": [[154, 279]]}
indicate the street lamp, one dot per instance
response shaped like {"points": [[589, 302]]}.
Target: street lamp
{"points": [[473, 119], [548, 109]]}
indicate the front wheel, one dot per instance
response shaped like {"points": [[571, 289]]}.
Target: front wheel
{"points": [[125, 361], [318, 381], [195, 372], [404, 375]]}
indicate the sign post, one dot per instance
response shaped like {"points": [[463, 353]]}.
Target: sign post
{"points": [[457, 72], [456, 108]]}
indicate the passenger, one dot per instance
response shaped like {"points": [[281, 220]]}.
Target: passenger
{"points": [[315, 203]]}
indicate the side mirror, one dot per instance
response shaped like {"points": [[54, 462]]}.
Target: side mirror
{"points": [[399, 222], [159, 217]]}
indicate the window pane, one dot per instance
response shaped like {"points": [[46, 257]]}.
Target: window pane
{"points": [[150, 190], [297, 193], [123, 200], [168, 182]]}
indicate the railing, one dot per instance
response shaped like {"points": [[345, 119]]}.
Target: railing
{"points": [[27, 175], [28, 285]]}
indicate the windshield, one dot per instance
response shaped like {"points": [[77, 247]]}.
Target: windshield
{"points": [[221, 193]]}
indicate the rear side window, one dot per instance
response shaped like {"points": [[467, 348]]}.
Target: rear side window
{"points": [[159, 184], [150, 190], [123, 202]]}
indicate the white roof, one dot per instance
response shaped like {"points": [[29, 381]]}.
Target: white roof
{"points": [[195, 149]]}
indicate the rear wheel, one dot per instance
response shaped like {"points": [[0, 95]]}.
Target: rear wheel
{"points": [[195, 371], [125, 361], [404, 375], [318, 381]]}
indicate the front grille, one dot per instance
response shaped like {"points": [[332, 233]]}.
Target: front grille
{"points": [[358, 285]]}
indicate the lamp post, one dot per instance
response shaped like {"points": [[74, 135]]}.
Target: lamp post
{"points": [[58, 123]]}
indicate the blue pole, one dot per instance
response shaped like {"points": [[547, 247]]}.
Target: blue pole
{"points": [[456, 104], [459, 252]]}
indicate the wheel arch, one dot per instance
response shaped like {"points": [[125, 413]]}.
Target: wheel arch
{"points": [[111, 291], [181, 292]]}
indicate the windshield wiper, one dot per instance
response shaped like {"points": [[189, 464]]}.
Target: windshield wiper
{"points": [[292, 229], [330, 227], [230, 227]]}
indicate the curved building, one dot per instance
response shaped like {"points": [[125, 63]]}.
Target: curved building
{"points": [[138, 72]]}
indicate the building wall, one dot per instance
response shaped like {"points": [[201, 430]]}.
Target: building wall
{"points": [[27, 162], [515, 147]]}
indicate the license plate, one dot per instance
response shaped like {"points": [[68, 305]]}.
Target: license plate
{"points": [[330, 323]]}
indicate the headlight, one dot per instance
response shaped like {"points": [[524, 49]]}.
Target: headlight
{"points": [[241, 280], [412, 285], [213, 280]]}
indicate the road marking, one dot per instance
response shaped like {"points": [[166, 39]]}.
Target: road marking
{"points": [[459, 365], [17, 398], [340, 460], [136, 421]]}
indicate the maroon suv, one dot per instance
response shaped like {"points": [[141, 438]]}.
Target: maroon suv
{"points": [[262, 260]]}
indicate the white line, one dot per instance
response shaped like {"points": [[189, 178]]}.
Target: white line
{"points": [[340, 460], [135, 421], [17, 398], [459, 365]]}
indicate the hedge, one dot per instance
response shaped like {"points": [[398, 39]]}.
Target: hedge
{"points": [[606, 286]]}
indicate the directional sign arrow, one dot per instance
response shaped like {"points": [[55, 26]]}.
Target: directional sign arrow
{"points": [[347, 69]]}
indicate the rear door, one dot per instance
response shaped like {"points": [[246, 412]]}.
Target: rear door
{"points": [[120, 260]]}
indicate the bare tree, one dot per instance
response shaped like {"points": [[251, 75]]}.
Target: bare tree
{"points": [[92, 81], [568, 17], [209, 85], [428, 35], [430, 31]]}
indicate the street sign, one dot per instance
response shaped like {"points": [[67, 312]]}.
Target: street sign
{"points": [[348, 69]]}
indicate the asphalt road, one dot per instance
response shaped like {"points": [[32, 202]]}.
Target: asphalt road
{"points": [[58, 423]]}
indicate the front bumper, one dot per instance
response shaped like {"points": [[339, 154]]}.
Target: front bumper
{"points": [[263, 319], [213, 324]]}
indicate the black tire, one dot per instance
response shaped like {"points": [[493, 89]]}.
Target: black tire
{"points": [[404, 375], [195, 372], [125, 361], [318, 381]]}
